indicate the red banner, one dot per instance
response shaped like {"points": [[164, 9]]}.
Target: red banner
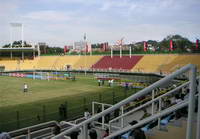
{"points": [[65, 49], [145, 46], [171, 45], [197, 44]]}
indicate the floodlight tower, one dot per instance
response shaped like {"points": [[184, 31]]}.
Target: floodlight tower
{"points": [[19, 25], [85, 43]]}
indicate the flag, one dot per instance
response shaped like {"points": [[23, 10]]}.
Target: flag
{"points": [[197, 44], [89, 47], [145, 46], [86, 47], [119, 42], [171, 45], [65, 49]]}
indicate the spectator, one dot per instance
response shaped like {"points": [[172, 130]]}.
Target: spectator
{"points": [[136, 133], [98, 111], [57, 129], [61, 111], [177, 99], [74, 134], [87, 114], [109, 83], [107, 118], [126, 86], [4, 135], [38, 117], [106, 133], [92, 133], [103, 82], [168, 103], [178, 113], [64, 109], [116, 113], [74, 78], [145, 115], [99, 82]]}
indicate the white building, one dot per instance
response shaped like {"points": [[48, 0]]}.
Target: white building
{"points": [[79, 45]]}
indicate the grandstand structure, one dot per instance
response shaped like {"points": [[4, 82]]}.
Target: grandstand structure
{"points": [[162, 63]]}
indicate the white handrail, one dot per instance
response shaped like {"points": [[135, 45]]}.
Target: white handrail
{"points": [[149, 102], [149, 119]]}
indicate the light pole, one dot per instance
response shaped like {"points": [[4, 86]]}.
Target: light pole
{"points": [[85, 43], [22, 35], [20, 25], [130, 51]]}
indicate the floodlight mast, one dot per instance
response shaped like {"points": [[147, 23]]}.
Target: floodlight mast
{"points": [[85, 43], [22, 32]]}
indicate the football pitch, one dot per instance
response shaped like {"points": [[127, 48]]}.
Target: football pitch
{"points": [[19, 109]]}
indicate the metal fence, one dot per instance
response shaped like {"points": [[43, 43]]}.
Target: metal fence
{"points": [[16, 119]]}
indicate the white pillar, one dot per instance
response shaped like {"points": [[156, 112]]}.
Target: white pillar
{"points": [[153, 96], [159, 109], [120, 51], [122, 119], [11, 54], [130, 51], [191, 105], [84, 132], [111, 51], [103, 117], [22, 55], [198, 113], [85, 52], [34, 74]]}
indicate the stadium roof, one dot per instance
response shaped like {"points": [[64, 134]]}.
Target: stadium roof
{"points": [[24, 49]]}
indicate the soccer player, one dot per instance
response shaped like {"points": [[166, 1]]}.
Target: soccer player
{"points": [[25, 87]]}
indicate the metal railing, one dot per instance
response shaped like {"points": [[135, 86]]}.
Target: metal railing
{"points": [[149, 119], [192, 77], [157, 99]]}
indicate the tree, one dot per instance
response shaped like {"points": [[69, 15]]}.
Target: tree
{"points": [[179, 43]]}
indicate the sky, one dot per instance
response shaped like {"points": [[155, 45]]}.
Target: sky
{"points": [[61, 22]]}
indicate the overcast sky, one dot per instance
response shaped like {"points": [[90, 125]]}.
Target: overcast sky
{"points": [[61, 22]]}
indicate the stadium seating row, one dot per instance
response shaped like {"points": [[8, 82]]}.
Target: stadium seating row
{"points": [[137, 63]]}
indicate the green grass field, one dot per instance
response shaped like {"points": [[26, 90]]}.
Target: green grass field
{"points": [[18, 109]]}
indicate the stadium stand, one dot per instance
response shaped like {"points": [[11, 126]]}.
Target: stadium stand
{"points": [[153, 63], [86, 62], [62, 61], [125, 62], [10, 64], [180, 61], [46, 62], [146, 63], [28, 64]]}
